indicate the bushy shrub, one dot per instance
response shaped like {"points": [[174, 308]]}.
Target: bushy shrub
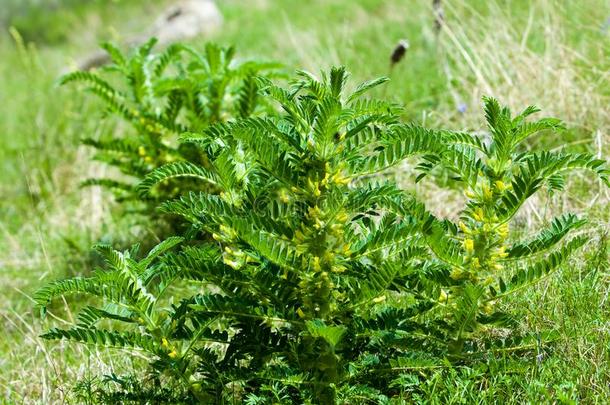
{"points": [[324, 283], [160, 96]]}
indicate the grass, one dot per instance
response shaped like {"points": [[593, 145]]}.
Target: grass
{"points": [[552, 53]]}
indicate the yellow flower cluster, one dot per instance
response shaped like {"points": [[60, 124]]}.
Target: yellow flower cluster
{"points": [[227, 234], [231, 256], [142, 153], [500, 186], [331, 176], [321, 238], [488, 191], [172, 353], [235, 258], [484, 238]]}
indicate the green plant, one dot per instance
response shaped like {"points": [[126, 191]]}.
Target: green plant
{"points": [[298, 258], [325, 283], [482, 264], [161, 95]]}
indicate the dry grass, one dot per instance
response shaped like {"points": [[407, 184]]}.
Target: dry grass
{"points": [[491, 55], [494, 55]]}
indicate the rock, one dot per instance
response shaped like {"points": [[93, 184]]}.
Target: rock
{"points": [[185, 20]]}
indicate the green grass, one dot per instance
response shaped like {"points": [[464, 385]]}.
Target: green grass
{"points": [[552, 53]]}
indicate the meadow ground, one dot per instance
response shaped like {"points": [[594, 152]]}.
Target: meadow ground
{"points": [[552, 53]]}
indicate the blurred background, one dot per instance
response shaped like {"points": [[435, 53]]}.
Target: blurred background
{"points": [[552, 53]]}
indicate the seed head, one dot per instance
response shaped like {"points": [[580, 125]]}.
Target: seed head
{"points": [[439, 15], [400, 51]]}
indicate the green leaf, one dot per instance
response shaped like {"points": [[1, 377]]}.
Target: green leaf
{"points": [[547, 238], [531, 274], [331, 334], [367, 86], [160, 249], [247, 97], [173, 170], [401, 142], [100, 337]]}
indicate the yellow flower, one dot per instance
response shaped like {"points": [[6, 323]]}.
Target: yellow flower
{"points": [[165, 343], [142, 151], [500, 185], [469, 245], [443, 297], [346, 249], [300, 313], [456, 273], [342, 217], [463, 227], [337, 229], [487, 192], [379, 299], [337, 268], [314, 212], [316, 264], [478, 214], [503, 230], [326, 179], [284, 197], [228, 231], [338, 178], [234, 264], [173, 354], [502, 252], [313, 187]]}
